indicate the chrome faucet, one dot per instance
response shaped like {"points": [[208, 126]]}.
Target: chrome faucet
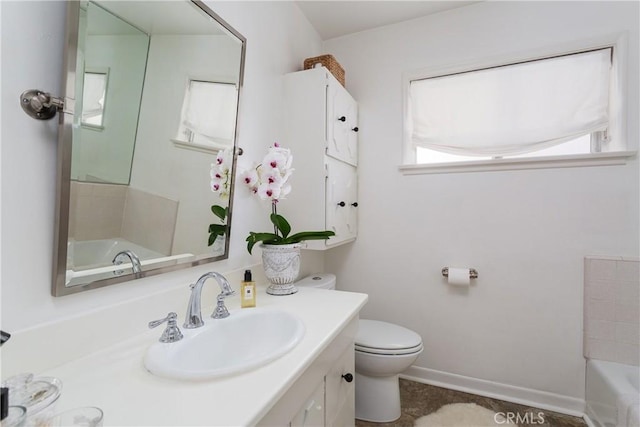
{"points": [[194, 311], [135, 261]]}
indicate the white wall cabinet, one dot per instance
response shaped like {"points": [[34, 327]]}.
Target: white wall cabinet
{"points": [[342, 123], [321, 129]]}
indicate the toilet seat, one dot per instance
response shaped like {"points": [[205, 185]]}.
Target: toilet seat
{"points": [[384, 338], [387, 352]]}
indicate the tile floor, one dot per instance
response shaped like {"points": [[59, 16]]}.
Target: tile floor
{"points": [[422, 399]]}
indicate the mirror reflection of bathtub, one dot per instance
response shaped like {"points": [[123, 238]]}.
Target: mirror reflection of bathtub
{"points": [[94, 258]]}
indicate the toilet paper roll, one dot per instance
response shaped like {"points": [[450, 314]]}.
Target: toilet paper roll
{"points": [[459, 276]]}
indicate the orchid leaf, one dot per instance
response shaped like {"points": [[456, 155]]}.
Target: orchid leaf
{"points": [[310, 235], [216, 230], [281, 224], [220, 212], [254, 238]]}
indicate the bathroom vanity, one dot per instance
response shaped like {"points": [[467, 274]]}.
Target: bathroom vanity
{"points": [[304, 385]]}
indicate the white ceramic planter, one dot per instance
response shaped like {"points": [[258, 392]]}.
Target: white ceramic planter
{"points": [[281, 265]]}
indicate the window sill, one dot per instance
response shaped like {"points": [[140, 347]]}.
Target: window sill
{"points": [[578, 160], [213, 148]]}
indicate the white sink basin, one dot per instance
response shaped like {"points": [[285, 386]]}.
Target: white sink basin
{"points": [[247, 339]]}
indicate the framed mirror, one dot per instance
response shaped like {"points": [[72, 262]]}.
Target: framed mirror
{"points": [[151, 104]]}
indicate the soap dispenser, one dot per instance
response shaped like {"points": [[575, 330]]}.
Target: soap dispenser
{"points": [[247, 291]]}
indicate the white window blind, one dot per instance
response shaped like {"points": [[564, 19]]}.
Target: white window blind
{"points": [[93, 97], [512, 109], [209, 111]]}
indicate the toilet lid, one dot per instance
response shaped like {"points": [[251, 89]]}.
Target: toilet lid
{"points": [[374, 335]]}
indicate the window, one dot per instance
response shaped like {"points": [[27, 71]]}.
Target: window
{"points": [[94, 93], [560, 105], [208, 115]]}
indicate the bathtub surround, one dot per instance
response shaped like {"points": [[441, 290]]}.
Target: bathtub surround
{"points": [[96, 210], [518, 333], [151, 220], [105, 211], [612, 309]]}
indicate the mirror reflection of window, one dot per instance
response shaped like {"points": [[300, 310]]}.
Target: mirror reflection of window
{"points": [[93, 98], [208, 114]]}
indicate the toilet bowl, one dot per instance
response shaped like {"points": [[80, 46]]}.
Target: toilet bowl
{"points": [[382, 351]]}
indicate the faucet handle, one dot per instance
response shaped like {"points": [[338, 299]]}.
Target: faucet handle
{"points": [[172, 333], [221, 311]]}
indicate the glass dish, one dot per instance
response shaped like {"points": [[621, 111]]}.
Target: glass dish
{"points": [[37, 395], [16, 417], [89, 416]]}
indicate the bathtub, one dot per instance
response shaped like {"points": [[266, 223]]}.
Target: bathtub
{"points": [[612, 394], [90, 260], [87, 254]]}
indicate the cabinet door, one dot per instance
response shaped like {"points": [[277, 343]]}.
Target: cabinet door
{"points": [[312, 412], [342, 124], [341, 201], [340, 392]]}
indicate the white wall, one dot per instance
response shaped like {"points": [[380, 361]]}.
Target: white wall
{"points": [[279, 39], [108, 153], [526, 232]]}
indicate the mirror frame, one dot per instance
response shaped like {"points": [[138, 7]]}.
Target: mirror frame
{"points": [[64, 150]]}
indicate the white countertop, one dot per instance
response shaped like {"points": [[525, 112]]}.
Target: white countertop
{"points": [[116, 381]]}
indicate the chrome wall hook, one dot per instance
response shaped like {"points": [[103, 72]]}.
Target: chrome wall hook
{"points": [[40, 105]]}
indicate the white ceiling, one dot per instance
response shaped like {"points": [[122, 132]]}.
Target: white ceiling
{"points": [[337, 18]]}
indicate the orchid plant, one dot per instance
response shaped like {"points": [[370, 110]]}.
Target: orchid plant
{"points": [[220, 184], [269, 181]]}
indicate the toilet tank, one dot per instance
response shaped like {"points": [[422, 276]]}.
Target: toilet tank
{"points": [[318, 280]]}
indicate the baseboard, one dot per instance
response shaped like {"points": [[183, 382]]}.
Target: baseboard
{"points": [[523, 396], [589, 422]]}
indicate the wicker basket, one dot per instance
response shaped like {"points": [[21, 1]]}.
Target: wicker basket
{"points": [[330, 63]]}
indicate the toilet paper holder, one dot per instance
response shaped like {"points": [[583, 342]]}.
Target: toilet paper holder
{"points": [[473, 273]]}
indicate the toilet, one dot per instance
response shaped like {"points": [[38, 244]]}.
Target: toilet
{"points": [[382, 351]]}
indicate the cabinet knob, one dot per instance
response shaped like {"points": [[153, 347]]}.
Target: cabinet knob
{"points": [[348, 377], [342, 118], [354, 204], [355, 129], [342, 204]]}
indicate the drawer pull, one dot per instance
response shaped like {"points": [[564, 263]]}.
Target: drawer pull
{"points": [[348, 377], [355, 129], [342, 118], [342, 204], [354, 204]]}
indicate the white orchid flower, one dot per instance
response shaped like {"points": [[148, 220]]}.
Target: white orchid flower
{"points": [[224, 159], [269, 179], [278, 158], [221, 173], [251, 179], [269, 191]]}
